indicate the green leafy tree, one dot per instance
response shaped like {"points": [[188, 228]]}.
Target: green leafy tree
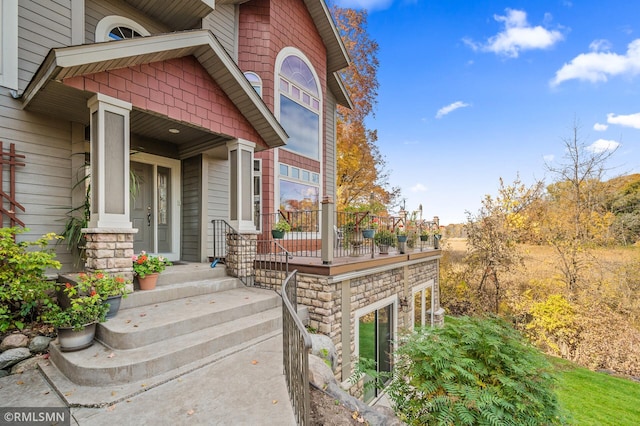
{"points": [[473, 371]]}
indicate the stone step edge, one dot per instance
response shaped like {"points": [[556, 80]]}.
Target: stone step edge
{"points": [[157, 352], [78, 396], [188, 324], [168, 292]]}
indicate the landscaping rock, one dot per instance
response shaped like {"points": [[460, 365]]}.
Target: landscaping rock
{"points": [[323, 347], [3, 373], [27, 364], [320, 375], [13, 356], [39, 344], [14, 341]]}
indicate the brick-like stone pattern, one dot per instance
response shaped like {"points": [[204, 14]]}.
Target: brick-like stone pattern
{"points": [[110, 252], [241, 255], [324, 300]]}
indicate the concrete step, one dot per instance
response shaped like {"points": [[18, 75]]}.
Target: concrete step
{"points": [[101, 365], [150, 323]]}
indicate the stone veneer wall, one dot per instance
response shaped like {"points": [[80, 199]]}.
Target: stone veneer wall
{"points": [[241, 255], [331, 298], [110, 251]]}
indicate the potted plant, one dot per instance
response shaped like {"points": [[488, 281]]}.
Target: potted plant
{"points": [[369, 229], [436, 238], [112, 289], [280, 228], [383, 239], [76, 323], [147, 268], [424, 234]]}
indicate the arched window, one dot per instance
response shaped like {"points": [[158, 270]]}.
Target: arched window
{"points": [[255, 81], [118, 28], [300, 106]]}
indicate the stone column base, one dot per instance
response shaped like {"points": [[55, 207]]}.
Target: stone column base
{"points": [[110, 250]]}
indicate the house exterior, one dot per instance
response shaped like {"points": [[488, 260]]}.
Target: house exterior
{"points": [[189, 95], [220, 109]]}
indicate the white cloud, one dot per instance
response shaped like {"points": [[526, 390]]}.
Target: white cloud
{"points": [[603, 145], [631, 120], [598, 127], [517, 36], [450, 108], [364, 4], [549, 158], [599, 65], [418, 187]]}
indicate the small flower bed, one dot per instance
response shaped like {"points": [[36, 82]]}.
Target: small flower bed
{"points": [[145, 264]]}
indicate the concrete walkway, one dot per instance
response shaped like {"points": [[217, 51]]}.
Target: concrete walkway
{"points": [[245, 388]]}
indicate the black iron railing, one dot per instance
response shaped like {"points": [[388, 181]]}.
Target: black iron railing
{"points": [[296, 344]]}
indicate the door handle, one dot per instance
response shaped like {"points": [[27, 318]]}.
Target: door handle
{"points": [[148, 216]]}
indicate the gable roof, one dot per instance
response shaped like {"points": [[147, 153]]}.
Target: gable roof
{"points": [[337, 56], [87, 59]]}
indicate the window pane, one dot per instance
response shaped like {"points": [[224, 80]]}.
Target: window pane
{"points": [[315, 178], [294, 69], [295, 173], [284, 170], [306, 175], [367, 349], [302, 126], [297, 196], [417, 309]]}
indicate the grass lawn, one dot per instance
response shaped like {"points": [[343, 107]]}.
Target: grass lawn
{"points": [[593, 398]]}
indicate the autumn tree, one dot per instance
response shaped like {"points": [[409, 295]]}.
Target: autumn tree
{"points": [[361, 170], [494, 232], [577, 217]]}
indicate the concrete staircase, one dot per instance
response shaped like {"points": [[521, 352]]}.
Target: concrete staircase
{"points": [[195, 316]]}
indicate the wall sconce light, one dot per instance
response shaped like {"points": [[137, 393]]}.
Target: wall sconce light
{"points": [[404, 302]]}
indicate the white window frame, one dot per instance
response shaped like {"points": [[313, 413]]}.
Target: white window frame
{"points": [[9, 44], [257, 82], [108, 23], [423, 313]]}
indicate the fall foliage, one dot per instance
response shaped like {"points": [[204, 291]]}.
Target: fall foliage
{"points": [[361, 171]]}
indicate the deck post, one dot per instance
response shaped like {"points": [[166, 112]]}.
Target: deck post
{"points": [[326, 230]]}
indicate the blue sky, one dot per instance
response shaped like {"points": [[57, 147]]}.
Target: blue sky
{"points": [[471, 91]]}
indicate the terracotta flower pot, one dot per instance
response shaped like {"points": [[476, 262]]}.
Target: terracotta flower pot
{"points": [[148, 282]]}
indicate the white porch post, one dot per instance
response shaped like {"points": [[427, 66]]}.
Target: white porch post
{"points": [[241, 186], [109, 162]]}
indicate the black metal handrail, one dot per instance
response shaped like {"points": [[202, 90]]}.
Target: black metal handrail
{"points": [[296, 344]]}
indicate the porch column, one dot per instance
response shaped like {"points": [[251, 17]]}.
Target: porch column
{"points": [[241, 186], [109, 162], [110, 232]]}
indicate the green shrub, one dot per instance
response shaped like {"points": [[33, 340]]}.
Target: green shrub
{"points": [[473, 371], [24, 288]]}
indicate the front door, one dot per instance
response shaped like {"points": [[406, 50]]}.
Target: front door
{"points": [[155, 204], [142, 207]]}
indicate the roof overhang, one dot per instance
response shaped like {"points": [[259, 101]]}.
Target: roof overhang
{"points": [[93, 58], [177, 15]]}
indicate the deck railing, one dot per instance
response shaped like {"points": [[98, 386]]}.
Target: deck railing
{"points": [[244, 256], [306, 236], [296, 344]]}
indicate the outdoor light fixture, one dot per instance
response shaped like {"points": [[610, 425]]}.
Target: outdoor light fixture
{"points": [[174, 131]]}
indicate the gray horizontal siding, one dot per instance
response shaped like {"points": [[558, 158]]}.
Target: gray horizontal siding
{"points": [[222, 23], [42, 25], [43, 185], [191, 208], [218, 195]]}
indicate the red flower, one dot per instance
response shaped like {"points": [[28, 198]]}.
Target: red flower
{"points": [[99, 276], [67, 285], [119, 280], [93, 293]]}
